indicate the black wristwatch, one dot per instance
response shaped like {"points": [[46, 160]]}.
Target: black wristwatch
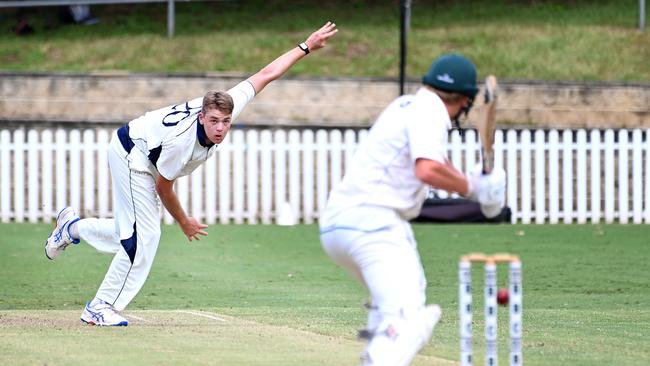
{"points": [[303, 46]]}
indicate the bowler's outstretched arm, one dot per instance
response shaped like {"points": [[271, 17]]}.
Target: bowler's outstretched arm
{"points": [[280, 65]]}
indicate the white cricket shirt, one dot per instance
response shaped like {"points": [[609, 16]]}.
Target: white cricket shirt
{"points": [[171, 142], [382, 172]]}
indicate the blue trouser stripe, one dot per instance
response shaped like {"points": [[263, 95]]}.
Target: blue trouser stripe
{"points": [[125, 139], [131, 244]]}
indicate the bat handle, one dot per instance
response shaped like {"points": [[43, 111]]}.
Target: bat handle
{"points": [[488, 161]]}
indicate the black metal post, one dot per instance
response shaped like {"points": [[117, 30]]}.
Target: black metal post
{"points": [[405, 19]]}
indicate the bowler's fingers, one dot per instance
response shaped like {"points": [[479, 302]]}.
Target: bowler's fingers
{"points": [[318, 39], [198, 231], [328, 25], [328, 30]]}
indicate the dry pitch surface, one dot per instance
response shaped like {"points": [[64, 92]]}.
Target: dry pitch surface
{"points": [[168, 337]]}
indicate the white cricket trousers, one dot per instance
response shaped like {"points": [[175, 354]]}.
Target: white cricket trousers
{"points": [[134, 233], [378, 248]]}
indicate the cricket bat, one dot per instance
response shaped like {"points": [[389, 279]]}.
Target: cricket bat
{"points": [[487, 123]]}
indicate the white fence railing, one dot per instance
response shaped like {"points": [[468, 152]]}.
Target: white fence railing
{"points": [[553, 176]]}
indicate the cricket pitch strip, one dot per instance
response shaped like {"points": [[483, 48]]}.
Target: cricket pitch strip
{"points": [[169, 337]]}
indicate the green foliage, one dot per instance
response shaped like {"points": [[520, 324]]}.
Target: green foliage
{"points": [[533, 39], [586, 296]]}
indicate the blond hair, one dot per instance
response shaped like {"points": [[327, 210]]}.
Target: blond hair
{"points": [[218, 100]]}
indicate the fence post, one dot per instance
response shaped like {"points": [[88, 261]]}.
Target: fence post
{"points": [[308, 176], [471, 147], [525, 178], [61, 168], [224, 174], [5, 178], [623, 177], [19, 176], [553, 177], [211, 190], [181, 186], [32, 175], [294, 172], [637, 177], [646, 147], [595, 177], [238, 186], [609, 176], [103, 179], [350, 139], [266, 176], [322, 171], [581, 173], [252, 181], [336, 144], [89, 170], [197, 193], [540, 177], [512, 181], [567, 176], [171, 18], [280, 170], [642, 15], [498, 149], [75, 170], [46, 174]]}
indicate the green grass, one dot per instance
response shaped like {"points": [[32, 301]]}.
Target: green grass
{"points": [[542, 40], [586, 297]]}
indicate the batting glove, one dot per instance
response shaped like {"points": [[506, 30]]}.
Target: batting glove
{"points": [[487, 189]]}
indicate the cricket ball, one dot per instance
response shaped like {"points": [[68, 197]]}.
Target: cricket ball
{"points": [[502, 296]]}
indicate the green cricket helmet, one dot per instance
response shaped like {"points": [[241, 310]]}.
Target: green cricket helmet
{"points": [[452, 73]]}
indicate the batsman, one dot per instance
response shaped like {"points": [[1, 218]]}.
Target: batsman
{"points": [[365, 226]]}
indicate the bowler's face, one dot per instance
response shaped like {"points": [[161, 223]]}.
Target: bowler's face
{"points": [[216, 124]]}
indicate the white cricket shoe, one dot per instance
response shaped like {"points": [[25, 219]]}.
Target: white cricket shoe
{"points": [[60, 237], [98, 312], [398, 339]]}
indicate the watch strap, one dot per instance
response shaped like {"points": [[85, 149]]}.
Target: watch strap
{"points": [[303, 46]]}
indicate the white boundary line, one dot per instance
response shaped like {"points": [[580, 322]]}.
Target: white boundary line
{"points": [[201, 314]]}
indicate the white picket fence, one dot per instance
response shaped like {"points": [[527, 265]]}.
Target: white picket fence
{"points": [[553, 176]]}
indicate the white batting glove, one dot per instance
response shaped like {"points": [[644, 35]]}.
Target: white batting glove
{"points": [[487, 189]]}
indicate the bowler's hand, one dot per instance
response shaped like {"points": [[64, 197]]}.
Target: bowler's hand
{"points": [[319, 38], [192, 229]]}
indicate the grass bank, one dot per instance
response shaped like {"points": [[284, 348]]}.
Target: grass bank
{"points": [[538, 40]]}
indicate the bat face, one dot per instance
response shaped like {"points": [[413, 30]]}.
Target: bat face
{"points": [[487, 123]]}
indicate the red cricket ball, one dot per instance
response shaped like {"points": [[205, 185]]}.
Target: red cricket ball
{"points": [[502, 296]]}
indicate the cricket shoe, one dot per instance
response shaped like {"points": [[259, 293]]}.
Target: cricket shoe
{"points": [[99, 312], [60, 237], [398, 339]]}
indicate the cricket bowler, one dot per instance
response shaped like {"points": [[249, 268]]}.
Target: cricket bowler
{"points": [[145, 157]]}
